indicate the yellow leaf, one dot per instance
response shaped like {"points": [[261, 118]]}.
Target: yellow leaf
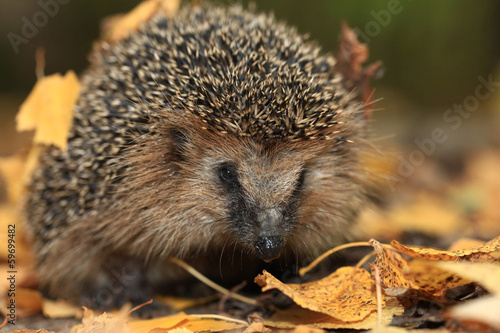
{"points": [[295, 316], [104, 323], [393, 268], [28, 302], [49, 109], [208, 323], [347, 294], [166, 322], [17, 170], [462, 254], [434, 280], [11, 168], [211, 323], [130, 22], [485, 274], [60, 309]]}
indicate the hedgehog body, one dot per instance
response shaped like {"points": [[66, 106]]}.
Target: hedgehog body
{"points": [[213, 135]]}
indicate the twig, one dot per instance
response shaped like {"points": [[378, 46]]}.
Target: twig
{"points": [[305, 270], [212, 284]]}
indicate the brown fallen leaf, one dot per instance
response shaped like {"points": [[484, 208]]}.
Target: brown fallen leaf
{"points": [[306, 329], [433, 280], [11, 169], [350, 57], [166, 322], [485, 274], [257, 327], [393, 268], [60, 309], [104, 323], [49, 109], [130, 22], [443, 255], [28, 302], [195, 323], [297, 316], [347, 294]]}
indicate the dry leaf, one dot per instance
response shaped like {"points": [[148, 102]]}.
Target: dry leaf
{"points": [[60, 309], [257, 327], [164, 323], [296, 316], [350, 58], [212, 323], [207, 323], [49, 109], [484, 310], [28, 302], [104, 323], [11, 169], [306, 329], [433, 280], [435, 254], [347, 294], [485, 274], [130, 22], [393, 268]]}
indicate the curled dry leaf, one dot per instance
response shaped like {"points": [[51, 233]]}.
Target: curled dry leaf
{"points": [[393, 268], [49, 109], [481, 253], [347, 294], [427, 278], [350, 58]]}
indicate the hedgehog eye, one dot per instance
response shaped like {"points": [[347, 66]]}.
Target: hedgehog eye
{"points": [[228, 174]]}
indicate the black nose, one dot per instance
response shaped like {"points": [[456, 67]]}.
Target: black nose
{"points": [[269, 247]]}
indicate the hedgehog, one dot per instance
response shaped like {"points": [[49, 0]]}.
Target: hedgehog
{"points": [[220, 136]]}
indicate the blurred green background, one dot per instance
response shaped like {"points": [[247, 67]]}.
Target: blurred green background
{"points": [[433, 52]]}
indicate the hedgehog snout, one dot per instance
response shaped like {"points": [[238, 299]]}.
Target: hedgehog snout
{"points": [[269, 241], [269, 247]]}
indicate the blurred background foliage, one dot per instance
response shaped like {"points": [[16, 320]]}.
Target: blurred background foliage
{"points": [[433, 53]]}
